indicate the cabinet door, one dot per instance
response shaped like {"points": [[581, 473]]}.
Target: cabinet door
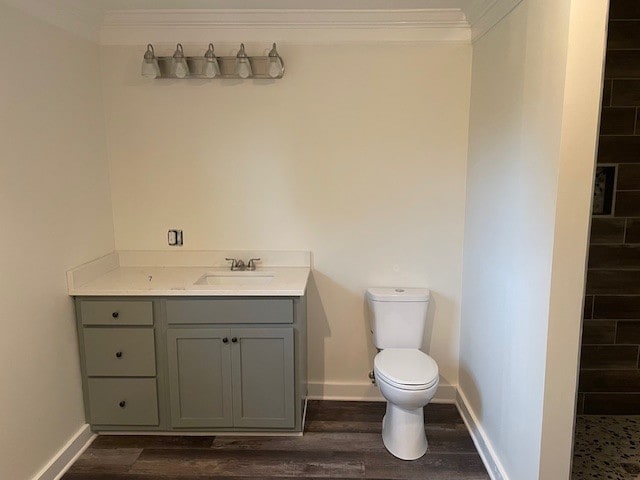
{"points": [[200, 377], [263, 377]]}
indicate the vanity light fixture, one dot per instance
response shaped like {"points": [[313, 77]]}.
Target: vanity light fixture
{"points": [[243, 65], [150, 67], [179, 67], [274, 63], [211, 67]]}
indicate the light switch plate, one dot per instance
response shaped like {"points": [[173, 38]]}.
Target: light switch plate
{"points": [[174, 238]]}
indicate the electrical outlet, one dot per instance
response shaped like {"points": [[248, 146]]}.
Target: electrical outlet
{"points": [[174, 238]]}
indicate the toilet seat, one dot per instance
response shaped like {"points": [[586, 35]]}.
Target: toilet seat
{"points": [[406, 368]]}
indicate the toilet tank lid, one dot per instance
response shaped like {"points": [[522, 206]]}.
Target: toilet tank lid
{"points": [[398, 294]]}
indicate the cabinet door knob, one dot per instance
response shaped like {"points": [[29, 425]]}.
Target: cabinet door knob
{"points": [[122, 404], [119, 354], [234, 339], [115, 314], [225, 340]]}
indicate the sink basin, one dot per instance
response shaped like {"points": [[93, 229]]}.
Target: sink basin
{"points": [[235, 278]]}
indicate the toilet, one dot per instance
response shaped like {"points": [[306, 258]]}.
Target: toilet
{"points": [[406, 376]]}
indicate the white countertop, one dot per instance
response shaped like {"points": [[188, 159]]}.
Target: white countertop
{"points": [[163, 273]]}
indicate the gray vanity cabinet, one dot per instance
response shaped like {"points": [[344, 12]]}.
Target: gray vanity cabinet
{"points": [[193, 363]]}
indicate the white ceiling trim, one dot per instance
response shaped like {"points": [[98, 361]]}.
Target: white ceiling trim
{"points": [[283, 36], [134, 27], [286, 26], [289, 18]]}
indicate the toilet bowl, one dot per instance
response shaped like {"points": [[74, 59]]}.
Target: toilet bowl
{"points": [[408, 380]]}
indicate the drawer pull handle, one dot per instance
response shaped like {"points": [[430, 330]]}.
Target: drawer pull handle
{"points": [[234, 339], [115, 314], [122, 404], [225, 340], [119, 354]]}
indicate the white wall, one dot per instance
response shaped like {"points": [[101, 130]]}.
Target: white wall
{"points": [[358, 154], [511, 191], [524, 246], [56, 214], [580, 122]]}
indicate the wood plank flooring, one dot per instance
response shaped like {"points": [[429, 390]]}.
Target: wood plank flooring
{"points": [[342, 441]]}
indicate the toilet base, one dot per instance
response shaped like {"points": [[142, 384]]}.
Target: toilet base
{"points": [[403, 432]]}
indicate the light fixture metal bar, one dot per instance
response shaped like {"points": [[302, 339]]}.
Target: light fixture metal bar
{"points": [[227, 68]]}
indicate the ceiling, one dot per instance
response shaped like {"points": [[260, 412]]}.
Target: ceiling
{"points": [[90, 18]]}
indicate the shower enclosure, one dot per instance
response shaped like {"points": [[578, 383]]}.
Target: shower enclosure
{"points": [[608, 421]]}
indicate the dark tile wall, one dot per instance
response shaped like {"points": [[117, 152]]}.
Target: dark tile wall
{"points": [[609, 368]]}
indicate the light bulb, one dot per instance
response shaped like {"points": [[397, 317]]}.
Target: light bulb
{"points": [[150, 67], [243, 66], [180, 68], [274, 63], [211, 66], [211, 69], [274, 68]]}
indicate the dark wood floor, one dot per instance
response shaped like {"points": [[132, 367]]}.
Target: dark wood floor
{"points": [[342, 441]]}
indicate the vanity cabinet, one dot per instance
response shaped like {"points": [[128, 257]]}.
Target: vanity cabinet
{"points": [[193, 363], [231, 377]]}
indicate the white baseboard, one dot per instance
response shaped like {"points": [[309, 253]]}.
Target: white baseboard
{"points": [[480, 439], [367, 391], [68, 454]]}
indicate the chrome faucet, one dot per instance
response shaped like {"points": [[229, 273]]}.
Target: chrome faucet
{"points": [[239, 265], [251, 264], [236, 265]]}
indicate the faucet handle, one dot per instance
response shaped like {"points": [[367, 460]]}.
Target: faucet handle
{"points": [[251, 264], [234, 262]]}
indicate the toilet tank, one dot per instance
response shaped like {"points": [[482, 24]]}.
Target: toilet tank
{"points": [[398, 316]]}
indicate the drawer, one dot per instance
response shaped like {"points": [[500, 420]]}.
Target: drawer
{"points": [[116, 312], [117, 352], [123, 401], [230, 310]]}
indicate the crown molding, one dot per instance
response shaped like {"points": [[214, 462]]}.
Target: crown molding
{"points": [[291, 18], [286, 26], [299, 26], [483, 21]]}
